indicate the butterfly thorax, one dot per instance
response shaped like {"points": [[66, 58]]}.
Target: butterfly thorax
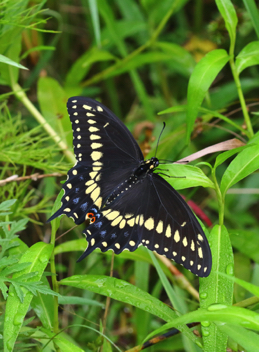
{"points": [[145, 168]]}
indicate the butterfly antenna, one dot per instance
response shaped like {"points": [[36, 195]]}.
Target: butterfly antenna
{"points": [[159, 137]]}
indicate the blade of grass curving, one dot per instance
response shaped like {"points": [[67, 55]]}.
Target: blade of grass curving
{"points": [[244, 164], [242, 240], [247, 285], [239, 317], [249, 340], [248, 56], [121, 291], [228, 12], [96, 22], [202, 77], [215, 288], [176, 300], [108, 16], [43, 306], [124, 292], [8, 61], [253, 12], [142, 318]]}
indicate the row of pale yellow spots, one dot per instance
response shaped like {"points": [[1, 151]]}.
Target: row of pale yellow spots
{"points": [[117, 219], [95, 155], [95, 174]]}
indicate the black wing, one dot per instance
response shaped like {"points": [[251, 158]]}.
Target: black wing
{"points": [[154, 215], [106, 155]]}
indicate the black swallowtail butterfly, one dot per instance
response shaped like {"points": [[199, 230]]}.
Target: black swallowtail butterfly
{"points": [[127, 203]]}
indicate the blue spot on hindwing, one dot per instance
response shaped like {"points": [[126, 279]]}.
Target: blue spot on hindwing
{"points": [[98, 224], [103, 233], [83, 206], [76, 200]]}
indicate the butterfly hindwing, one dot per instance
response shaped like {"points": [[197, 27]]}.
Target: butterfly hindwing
{"points": [[156, 216]]}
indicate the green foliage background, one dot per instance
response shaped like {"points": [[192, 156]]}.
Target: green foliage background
{"points": [[193, 64]]}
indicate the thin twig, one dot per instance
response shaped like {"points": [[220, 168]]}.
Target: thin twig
{"points": [[34, 177], [219, 147], [108, 301], [180, 278], [63, 234]]}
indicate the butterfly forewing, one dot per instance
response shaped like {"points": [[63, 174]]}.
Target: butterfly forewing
{"points": [[97, 130], [106, 153]]}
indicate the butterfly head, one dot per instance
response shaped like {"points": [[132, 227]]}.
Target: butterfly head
{"points": [[147, 167], [152, 163]]}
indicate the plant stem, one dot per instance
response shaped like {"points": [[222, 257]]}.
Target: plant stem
{"points": [[55, 285], [240, 93], [19, 93], [221, 201]]}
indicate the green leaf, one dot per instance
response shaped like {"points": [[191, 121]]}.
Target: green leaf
{"points": [[220, 98], [7, 61], [38, 255], [148, 58], [56, 222], [70, 246], [175, 300], [181, 60], [78, 300], [62, 342], [225, 155], [249, 340], [228, 12], [52, 99], [244, 164], [185, 176], [246, 241], [202, 77], [7, 261], [37, 48], [16, 226], [14, 268], [253, 12], [131, 10], [248, 56], [19, 247], [215, 288], [255, 138], [82, 65], [6, 205], [215, 313], [121, 291], [43, 306], [249, 287], [95, 20]]}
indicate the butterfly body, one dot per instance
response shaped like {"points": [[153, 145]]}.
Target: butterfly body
{"points": [[145, 168], [127, 203]]}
